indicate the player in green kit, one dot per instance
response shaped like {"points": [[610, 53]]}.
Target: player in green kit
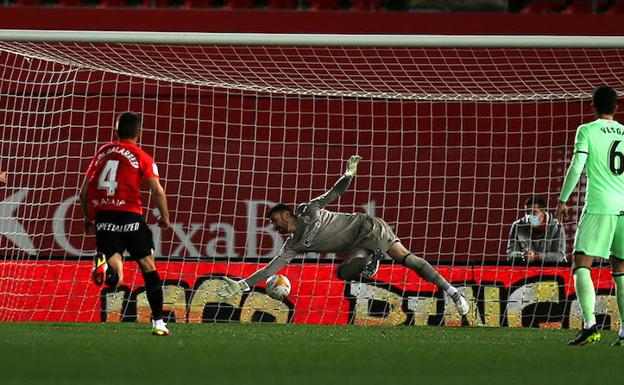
{"points": [[599, 148]]}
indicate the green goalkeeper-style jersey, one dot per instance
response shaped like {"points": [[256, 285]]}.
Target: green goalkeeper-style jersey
{"points": [[603, 142]]}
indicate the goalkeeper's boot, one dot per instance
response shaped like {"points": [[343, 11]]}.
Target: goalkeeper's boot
{"points": [[99, 269], [586, 336], [159, 328], [372, 266], [460, 303], [618, 342]]}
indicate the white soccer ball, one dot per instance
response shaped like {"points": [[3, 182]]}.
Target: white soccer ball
{"points": [[278, 286]]}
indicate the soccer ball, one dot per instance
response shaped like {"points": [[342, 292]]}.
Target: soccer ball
{"points": [[278, 286]]}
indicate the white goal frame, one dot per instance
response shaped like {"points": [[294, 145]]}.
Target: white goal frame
{"points": [[315, 40], [454, 43]]}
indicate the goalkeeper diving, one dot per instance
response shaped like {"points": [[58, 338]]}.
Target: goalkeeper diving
{"points": [[363, 238]]}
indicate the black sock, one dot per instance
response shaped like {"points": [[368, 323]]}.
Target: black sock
{"points": [[112, 278], [154, 292]]}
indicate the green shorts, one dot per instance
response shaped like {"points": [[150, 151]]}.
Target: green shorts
{"points": [[600, 235]]}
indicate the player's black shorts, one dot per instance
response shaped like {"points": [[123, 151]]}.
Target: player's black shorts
{"points": [[117, 231]]}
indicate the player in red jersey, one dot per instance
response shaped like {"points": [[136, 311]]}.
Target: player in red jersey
{"points": [[111, 203]]}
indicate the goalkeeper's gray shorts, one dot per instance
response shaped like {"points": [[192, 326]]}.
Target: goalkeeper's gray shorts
{"points": [[376, 234]]}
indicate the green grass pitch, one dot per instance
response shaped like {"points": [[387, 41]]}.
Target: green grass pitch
{"points": [[93, 354]]}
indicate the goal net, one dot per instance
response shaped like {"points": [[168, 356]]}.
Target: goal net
{"points": [[454, 138]]}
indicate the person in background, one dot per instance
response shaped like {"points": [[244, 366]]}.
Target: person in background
{"points": [[537, 236]]}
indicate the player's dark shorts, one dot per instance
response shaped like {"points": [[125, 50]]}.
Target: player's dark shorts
{"points": [[117, 231]]}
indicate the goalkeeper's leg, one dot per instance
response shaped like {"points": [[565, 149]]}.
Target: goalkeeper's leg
{"points": [[360, 263], [400, 254]]}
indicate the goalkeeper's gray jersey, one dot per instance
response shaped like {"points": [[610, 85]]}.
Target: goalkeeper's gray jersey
{"points": [[320, 230]]}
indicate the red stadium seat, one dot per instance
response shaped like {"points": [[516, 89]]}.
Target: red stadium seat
{"points": [[28, 3], [542, 6], [323, 5], [197, 3], [238, 4], [616, 9], [582, 6], [71, 3], [365, 5], [573, 9], [281, 4], [156, 3], [113, 3]]}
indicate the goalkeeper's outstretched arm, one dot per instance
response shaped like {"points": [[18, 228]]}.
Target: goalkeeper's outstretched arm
{"points": [[232, 287], [271, 268], [341, 185]]}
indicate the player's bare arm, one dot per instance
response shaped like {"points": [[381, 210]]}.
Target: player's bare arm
{"points": [[158, 193], [3, 176], [562, 211], [89, 223]]}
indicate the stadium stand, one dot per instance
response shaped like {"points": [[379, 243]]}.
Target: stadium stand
{"points": [[568, 7], [281, 4], [28, 3], [541, 6], [584, 6], [617, 8]]}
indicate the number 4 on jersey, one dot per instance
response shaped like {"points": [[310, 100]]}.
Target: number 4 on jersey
{"points": [[108, 177]]}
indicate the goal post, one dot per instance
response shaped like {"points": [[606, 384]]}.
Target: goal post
{"points": [[455, 133], [313, 40]]}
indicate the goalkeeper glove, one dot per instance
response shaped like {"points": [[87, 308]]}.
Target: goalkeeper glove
{"points": [[352, 164], [232, 288]]}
